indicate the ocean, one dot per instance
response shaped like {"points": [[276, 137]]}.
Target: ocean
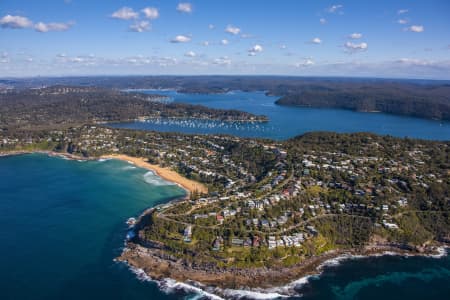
{"points": [[62, 223]]}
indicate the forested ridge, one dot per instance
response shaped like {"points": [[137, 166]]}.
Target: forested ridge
{"points": [[429, 102], [63, 106], [419, 98]]}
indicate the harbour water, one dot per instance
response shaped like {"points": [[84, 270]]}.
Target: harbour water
{"points": [[286, 122], [62, 222]]}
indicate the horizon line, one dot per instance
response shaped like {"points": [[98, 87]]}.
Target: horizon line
{"points": [[222, 75]]}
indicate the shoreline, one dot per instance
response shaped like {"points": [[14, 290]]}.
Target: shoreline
{"points": [[263, 281], [150, 263], [189, 185], [46, 152], [160, 267]]}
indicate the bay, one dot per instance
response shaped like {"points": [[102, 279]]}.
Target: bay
{"points": [[287, 121]]}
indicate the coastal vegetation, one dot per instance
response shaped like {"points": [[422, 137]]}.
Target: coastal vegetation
{"points": [[265, 209], [275, 205]]}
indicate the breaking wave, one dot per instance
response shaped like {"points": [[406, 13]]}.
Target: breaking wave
{"points": [[169, 286], [201, 291], [155, 180], [129, 168]]}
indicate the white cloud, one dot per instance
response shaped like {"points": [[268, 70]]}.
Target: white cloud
{"points": [[140, 26], [184, 7], [77, 59], [125, 13], [205, 43], [151, 13], [316, 40], [257, 48], [166, 61], [355, 35], [323, 21], [132, 60], [305, 63], [18, 22], [88, 60], [283, 46], [180, 39], [224, 60], [15, 22], [46, 27], [211, 26], [414, 62], [233, 29], [402, 21], [190, 54], [335, 8], [4, 57], [402, 11], [254, 50], [224, 42], [416, 28], [353, 47]]}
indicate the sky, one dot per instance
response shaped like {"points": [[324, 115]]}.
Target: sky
{"points": [[383, 38]]}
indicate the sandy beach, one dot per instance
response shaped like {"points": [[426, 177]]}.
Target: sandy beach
{"points": [[165, 173], [189, 185]]}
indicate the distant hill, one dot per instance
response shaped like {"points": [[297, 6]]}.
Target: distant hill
{"points": [[432, 102], [420, 98]]}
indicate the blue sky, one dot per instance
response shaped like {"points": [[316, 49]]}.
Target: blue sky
{"points": [[408, 39]]}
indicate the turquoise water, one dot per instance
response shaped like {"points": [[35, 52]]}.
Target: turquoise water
{"points": [[62, 223], [286, 122]]}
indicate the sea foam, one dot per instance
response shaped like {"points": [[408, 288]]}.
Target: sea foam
{"points": [[129, 168], [291, 289], [169, 285], [103, 159], [250, 294], [155, 180]]}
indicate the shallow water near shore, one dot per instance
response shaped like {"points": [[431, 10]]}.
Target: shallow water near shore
{"points": [[62, 222]]}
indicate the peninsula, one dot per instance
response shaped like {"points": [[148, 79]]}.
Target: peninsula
{"points": [[225, 149], [263, 213], [259, 213]]}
